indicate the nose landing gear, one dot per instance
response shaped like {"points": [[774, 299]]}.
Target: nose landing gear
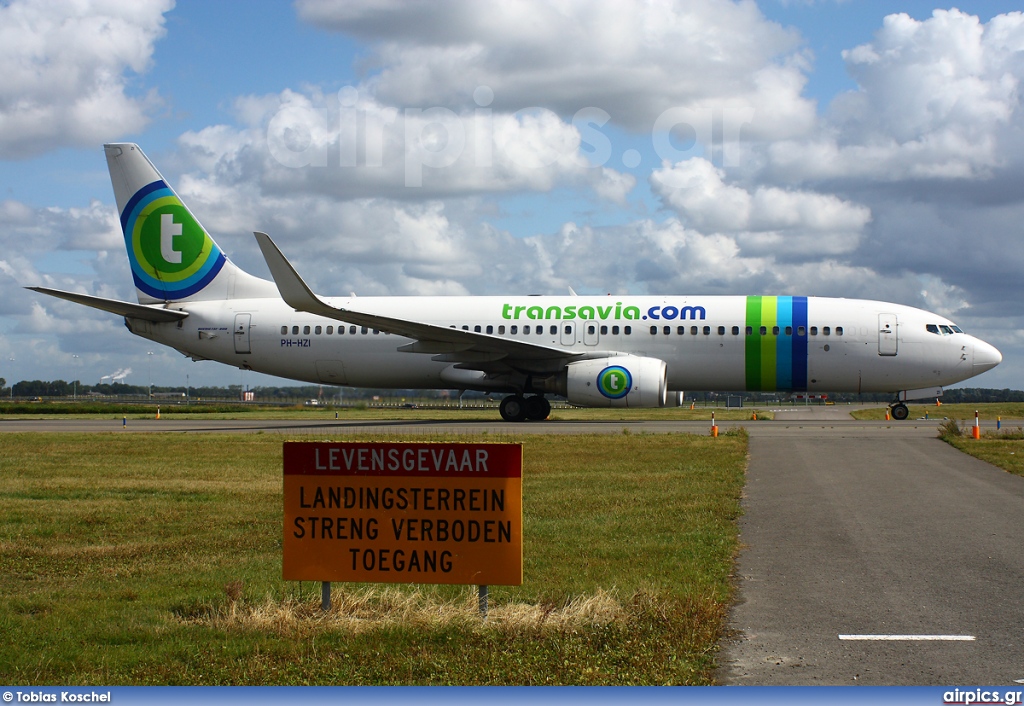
{"points": [[899, 411]]}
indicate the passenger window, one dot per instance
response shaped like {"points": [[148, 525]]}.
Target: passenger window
{"points": [[627, 330], [667, 330], [540, 330], [801, 331], [490, 328], [680, 330], [764, 330], [554, 330], [513, 330], [295, 330], [707, 330], [654, 330], [330, 330], [318, 330], [839, 330], [814, 330], [591, 329], [693, 330], [604, 330], [526, 330], [750, 330], [775, 330], [789, 330], [376, 332], [352, 330], [284, 330], [826, 330], [305, 330], [363, 330], [465, 328], [735, 330], [721, 330], [615, 330], [501, 329], [476, 329]]}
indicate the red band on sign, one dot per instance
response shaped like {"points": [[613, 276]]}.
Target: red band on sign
{"points": [[355, 458]]}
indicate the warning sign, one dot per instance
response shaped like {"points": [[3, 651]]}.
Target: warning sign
{"points": [[403, 512]]}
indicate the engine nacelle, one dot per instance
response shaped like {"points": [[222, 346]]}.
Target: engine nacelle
{"points": [[619, 381]]}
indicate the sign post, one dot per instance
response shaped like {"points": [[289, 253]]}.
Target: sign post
{"points": [[448, 513]]}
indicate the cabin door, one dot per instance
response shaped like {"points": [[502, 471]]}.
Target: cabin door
{"points": [[888, 339], [242, 333]]}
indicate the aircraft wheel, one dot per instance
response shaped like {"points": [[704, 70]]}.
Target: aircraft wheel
{"points": [[900, 412], [513, 409], [537, 408]]}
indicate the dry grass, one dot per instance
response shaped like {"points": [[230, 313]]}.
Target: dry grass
{"points": [[373, 608]]}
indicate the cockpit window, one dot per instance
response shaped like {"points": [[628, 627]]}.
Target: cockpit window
{"points": [[956, 329], [932, 328], [946, 330]]}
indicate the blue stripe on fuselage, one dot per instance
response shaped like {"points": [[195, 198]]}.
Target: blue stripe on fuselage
{"points": [[799, 344]]}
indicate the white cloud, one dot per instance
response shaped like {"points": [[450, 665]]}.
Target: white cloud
{"points": [[937, 99], [62, 248], [635, 61], [65, 71], [792, 224], [314, 143]]}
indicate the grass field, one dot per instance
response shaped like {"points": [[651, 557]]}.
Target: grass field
{"points": [[1003, 448], [987, 411], [155, 559], [42, 410]]}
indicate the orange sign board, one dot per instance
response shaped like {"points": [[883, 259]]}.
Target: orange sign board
{"points": [[403, 512]]}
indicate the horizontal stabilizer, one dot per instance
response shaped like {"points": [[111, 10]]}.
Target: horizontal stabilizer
{"points": [[114, 306]]}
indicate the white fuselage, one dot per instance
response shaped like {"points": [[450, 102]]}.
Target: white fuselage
{"points": [[708, 342]]}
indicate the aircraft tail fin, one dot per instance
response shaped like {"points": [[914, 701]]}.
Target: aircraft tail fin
{"points": [[173, 258]]}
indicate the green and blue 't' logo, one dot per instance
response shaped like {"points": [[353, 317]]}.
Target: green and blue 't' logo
{"points": [[172, 257], [614, 382]]}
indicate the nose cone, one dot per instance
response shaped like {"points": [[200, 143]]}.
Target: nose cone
{"points": [[986, 357]]}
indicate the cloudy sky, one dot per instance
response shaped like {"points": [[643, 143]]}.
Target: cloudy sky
{"points": [[869, 148]]}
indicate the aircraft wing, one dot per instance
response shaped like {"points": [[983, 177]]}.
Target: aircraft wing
{"points": [[114, 306], [472, 350]]}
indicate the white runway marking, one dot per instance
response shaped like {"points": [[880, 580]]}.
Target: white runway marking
{"points": [[949, 638]]}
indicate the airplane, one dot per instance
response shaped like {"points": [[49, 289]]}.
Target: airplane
{"points": [[593, 351]]}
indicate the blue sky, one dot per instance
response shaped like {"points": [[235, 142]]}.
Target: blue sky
{"points": [[895, 145]]}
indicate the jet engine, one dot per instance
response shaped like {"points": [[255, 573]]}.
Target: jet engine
{"points": [[619, 381]]}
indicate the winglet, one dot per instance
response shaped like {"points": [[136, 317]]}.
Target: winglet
{"points": [[293, 289]]}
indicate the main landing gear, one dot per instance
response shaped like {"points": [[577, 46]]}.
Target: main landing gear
{"points": [[899, 411], [516, 408]]}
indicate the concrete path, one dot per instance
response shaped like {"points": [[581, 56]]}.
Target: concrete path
{"points": [[877, 535]]}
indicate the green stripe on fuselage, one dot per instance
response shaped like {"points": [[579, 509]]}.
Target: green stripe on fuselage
{"points": [[752, 347]]}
